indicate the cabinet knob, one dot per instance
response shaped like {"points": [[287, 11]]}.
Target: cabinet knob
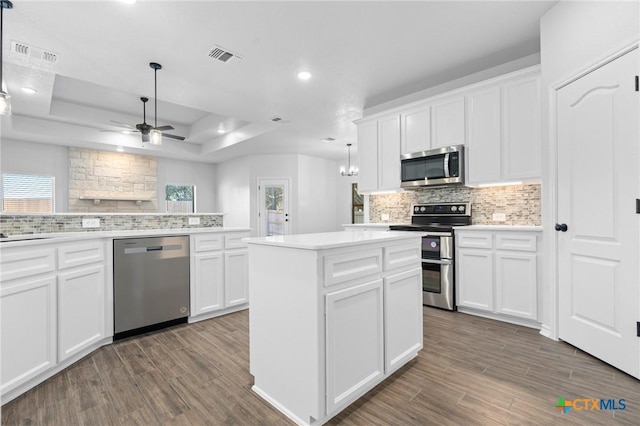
{"points": [[561, 227]]}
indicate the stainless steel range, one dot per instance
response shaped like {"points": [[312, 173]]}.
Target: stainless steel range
{"points": [[438, 269]]}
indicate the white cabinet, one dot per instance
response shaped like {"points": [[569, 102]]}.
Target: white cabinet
{"points": [[354, 342], [447, 122], [415, 129], [325, 332], [82, 297], [208, 290], [28, 338], [497, 274], [402, 326], [503, 120], [219, 282], [379, 154], [236, 283]]}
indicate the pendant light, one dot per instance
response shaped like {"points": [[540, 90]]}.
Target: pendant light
{"points": [[155, 135], [351, 170], [5, 99]]}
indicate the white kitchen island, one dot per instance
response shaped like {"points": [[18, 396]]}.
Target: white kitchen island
{"points": [[331, 316]]}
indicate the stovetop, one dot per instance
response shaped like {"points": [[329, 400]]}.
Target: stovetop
{"points": [[441, 217]]}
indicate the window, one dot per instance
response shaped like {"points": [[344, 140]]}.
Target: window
{"points": [[23, 193], [180, 198]]}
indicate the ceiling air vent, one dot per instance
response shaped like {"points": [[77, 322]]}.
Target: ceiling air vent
{"points": [[224, 55], [279, 120], [329, 139], [34, 52]]}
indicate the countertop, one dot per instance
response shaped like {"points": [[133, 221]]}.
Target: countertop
{"points": [[372, 225], [519, 228], [38, 239], [329, 240]]}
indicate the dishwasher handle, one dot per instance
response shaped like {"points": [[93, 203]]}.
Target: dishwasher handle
{"points": [[154, 248]]}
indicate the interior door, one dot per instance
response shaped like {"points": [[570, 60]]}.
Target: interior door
{"points": [[598, 184], [273, 213]]}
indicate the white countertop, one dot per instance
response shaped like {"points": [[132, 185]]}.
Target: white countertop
{"points": [[328, 240], [23, 240], [372, 225], [519, 228]]}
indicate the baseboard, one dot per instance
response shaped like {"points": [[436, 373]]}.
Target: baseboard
{"points": [[219, 313]]}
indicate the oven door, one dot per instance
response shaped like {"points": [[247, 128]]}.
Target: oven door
{"points": [[437, 283]]}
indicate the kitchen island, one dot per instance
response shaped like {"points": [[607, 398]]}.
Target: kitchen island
{"points": [[331, 316]]}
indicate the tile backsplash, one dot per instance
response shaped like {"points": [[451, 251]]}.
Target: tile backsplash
{"points": [[519, 203], [44, 224]]}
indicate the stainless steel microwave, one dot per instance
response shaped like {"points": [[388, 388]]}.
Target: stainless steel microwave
{"points": [[437, 167]]}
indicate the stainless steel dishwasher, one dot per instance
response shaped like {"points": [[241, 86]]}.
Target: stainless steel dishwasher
{"points": [[151, 283]]}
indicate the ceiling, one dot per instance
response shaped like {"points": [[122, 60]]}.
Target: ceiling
{"points": [[360, 54]]}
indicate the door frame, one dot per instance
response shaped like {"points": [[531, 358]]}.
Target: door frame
{"points": [[287, 200], [551, 327]]}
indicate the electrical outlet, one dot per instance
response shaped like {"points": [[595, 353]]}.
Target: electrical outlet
{"points": [[90, 222], [194, 221], [384, 216], [499, 217]]}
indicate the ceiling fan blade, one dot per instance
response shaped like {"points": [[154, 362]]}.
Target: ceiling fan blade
{"points": [[124, 132], [123, 124], [180, 138], [163, 128], [145, 137]]}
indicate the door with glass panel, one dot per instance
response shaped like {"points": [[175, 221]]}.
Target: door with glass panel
{"points": [[273, 207]]}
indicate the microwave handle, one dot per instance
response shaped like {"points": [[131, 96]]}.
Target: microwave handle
{"points": [[446, 165]]}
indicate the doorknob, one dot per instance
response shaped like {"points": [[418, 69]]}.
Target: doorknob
{"points": [[561, 227]]}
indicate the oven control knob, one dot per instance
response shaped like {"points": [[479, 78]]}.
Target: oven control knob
{"points": [[460, 208], [454, 208], [423, 208]]}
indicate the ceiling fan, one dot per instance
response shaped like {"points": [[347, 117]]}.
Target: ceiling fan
{"points": [[152, 134]]}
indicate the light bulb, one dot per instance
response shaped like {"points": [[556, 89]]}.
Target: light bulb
{"points": [[155, 137]]}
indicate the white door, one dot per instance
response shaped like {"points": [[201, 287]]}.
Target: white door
{"points": [[273, 207], [598, 184]]}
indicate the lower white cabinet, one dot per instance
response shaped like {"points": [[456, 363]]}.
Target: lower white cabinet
{"points": [[354, 342], [402, 326], [81, 309], [208, 288], [28, 338], [219, 277], [236, 281], [497, 274]]}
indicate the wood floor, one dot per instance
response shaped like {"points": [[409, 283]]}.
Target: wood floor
{"points": [[472, 371]]}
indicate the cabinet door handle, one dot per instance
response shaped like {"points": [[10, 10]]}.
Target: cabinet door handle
{"points": [[561, 227]]}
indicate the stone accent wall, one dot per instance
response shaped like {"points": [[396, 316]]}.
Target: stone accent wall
{"points": [[46, 224], [520, 203], [107, 175]]}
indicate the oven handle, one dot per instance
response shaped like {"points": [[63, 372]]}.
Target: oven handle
{"points": [[438, 262]]}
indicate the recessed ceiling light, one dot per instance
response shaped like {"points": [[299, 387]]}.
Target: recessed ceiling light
{"points": [[120, 149], [126, 132], [304, 75], [221, 130], [29, 90]]}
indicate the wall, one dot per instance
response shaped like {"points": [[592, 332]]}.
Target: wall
{"points": [[574, 36], [520, 203], [202, 175], [103, 175], [36, 158], [233, 191], [318, 202]]}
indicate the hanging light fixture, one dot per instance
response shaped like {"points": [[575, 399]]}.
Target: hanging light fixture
{"points": [[5, 99], [155, 135], [351, 170]]}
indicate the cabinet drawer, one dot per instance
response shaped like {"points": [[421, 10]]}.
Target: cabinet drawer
{"points": [[402, 256], [26, 262], [343, 267], [235, 240], [80, 254], [519, 242], [475, 240], [208, 242]]}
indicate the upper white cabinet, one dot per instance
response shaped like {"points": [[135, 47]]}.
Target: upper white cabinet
{"points": [[433, 124], [379, 154], [416, 129], [503, 121], [447, 122]]}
